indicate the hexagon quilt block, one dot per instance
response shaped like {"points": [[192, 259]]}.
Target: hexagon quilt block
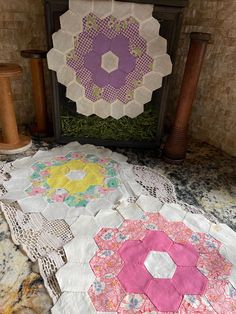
{"points": [[153, 264], [67, 182], [104, 52]]}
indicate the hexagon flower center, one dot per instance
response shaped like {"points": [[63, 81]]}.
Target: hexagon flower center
{"points": [[110, 62], [160, 264], [76, 174], [170, 270], [73, 178]]}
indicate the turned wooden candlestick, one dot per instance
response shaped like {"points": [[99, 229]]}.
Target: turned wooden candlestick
{"points": [[36, 63], [176, 145], [10, 141]]}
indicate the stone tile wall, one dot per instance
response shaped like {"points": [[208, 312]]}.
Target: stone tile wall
{"points": [[21, 27], [214, 111]]}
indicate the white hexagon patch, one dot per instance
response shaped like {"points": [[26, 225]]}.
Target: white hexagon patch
{"points": [[160, 265]]}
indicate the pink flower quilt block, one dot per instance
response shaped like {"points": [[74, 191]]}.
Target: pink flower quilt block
{"points": [[150, 264]]}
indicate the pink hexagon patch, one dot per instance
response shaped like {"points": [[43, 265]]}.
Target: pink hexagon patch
{"points": [[153, 266], [167, 288]]}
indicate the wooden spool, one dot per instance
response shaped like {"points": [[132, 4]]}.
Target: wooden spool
{"points": [[10, 142], [36, 63], [176, 146]]}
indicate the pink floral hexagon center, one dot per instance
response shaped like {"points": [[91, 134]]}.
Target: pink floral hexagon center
{"points": [[163, 295], [133, 251], [189, 280], [134, 278], [155, 263], [157, 241], [184, 254]]}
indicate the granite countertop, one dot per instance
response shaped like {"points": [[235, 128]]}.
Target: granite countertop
{"points": [[206, 179]]}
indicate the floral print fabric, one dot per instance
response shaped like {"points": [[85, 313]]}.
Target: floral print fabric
{"points": [[73, 179], [65, 183], [199, 278]]}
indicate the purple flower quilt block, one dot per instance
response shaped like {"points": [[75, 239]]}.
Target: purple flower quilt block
{"points": [[112, 49]]}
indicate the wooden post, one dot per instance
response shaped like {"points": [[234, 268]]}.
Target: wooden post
{"points": [[176, 145], [11, 141], [36, 63], [8, 119]]}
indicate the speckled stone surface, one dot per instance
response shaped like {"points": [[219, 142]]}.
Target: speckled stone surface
{"points": [[21, 287], [207, 179]]}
